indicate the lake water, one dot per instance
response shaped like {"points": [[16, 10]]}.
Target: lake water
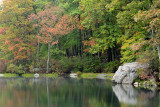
{"points": [[70, 92]]}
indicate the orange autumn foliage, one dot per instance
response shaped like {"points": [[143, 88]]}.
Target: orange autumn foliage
{"points": [[52, 24]]}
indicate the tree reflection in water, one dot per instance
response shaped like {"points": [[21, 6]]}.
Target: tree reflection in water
{"points": [[57, 92], [68, 92]]}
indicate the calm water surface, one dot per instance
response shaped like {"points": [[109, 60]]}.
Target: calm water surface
{"points": [[70, 92]]}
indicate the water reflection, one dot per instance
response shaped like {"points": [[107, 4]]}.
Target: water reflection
{"points": [[129, 95], [68, 92], [58, 92]]}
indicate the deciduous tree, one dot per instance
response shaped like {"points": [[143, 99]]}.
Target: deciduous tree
{"points": [[52, 25], [16, 43]]}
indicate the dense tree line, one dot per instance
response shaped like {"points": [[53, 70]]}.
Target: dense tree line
{"points": [[79, 35]]}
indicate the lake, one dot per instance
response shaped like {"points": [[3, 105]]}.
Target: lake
{"points": [[71, 92]]}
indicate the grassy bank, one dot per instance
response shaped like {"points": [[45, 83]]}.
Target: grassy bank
{"points": [[10, 75], [89, 75], [54, 75], [97, 75]]}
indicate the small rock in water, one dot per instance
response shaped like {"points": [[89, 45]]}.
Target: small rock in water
{"points": [[73, 75], [1, 75], [136, 84], [36, 75]]}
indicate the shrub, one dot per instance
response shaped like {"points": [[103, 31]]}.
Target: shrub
{"points": [[77, 64], [92, 64], [20, 70], [11, 68], [3, 65], [56, 66], [31, 68], [111, 66], [67, 64]]}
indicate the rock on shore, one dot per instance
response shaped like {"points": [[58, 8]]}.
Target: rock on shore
{"points": [[128, 72]]}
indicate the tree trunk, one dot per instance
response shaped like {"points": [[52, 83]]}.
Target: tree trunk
{"points": [[158, 48], [112, 54], [48, 60], [156, 74], [38, 47], [80, 40]]}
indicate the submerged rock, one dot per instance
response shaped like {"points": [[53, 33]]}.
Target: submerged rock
{"points": [[128, 72]]}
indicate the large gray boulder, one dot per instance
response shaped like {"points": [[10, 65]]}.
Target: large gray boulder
{"points": [[128, 72]]}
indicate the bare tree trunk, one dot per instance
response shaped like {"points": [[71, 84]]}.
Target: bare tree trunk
{"points": [[156, 74], [112, 54], [158, 48], [48, 60], [38, 47], [80, 40]]}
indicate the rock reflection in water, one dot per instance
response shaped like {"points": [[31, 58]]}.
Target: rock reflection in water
{"points": [[129, 95]]}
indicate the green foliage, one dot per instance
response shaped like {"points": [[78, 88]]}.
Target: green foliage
{"points": [[70, 40], [17, 44], [103, 24], [70, 6], [84, 64], [20, 70], [133, 34], [56, 66], [67, 64], [92, 64], [31, 68], [75, 64], [12, 68], [57, 53], [43, 50], [149, 56], [103, 29], [78, 64], [79, 73], [112, 66]]}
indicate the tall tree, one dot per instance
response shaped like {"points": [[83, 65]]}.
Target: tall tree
{"points": [[102, 26], [52, 25], [151, 22], [132, 31], [17, 43]]}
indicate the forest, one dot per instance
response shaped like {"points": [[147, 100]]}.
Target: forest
{"points": [[66, 36]]}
